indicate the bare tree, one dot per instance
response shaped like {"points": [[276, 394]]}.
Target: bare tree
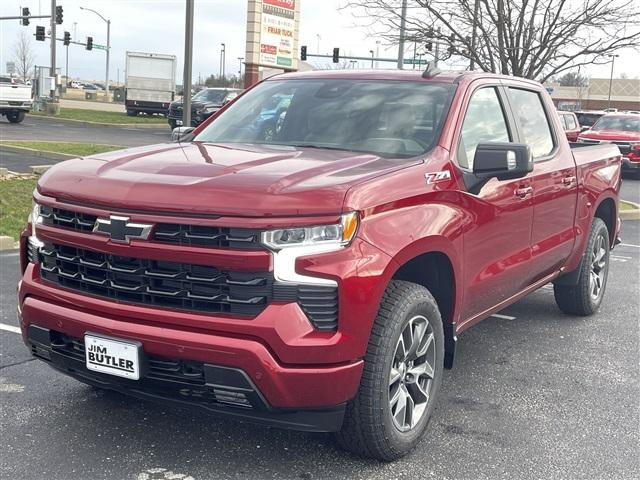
{"points": [[24, 56], [535, 39]]}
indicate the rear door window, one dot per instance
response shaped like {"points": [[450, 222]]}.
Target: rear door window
{"points": [[529, 111]]}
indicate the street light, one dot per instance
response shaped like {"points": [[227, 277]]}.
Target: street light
{"points": [[108, 22], [222, 60], [613, 59], [240, 59], [372, 54]]}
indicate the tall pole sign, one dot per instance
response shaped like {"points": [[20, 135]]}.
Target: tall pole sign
{"points": [[272, 36]]}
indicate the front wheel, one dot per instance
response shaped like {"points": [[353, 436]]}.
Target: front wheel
{"points": [[132, 113], [401, 379], [16, 117], [585, 297]]}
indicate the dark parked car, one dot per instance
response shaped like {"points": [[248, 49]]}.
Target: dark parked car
{"points": [[588, 118], [203, 104]]}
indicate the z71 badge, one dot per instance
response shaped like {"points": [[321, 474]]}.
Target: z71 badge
{"points": [[437, 176]]}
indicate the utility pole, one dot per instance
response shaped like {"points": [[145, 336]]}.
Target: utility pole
{"points": [[240, 59], [476, 8], [403, 26], [52, 71], [372, 57], [437, 52], [188, 58], [613, 59]]}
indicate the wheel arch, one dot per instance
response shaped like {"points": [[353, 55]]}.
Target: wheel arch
{"points": [[434, 270]]}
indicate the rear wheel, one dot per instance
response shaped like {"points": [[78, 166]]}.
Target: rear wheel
{"points": [[16, 117], [401, 378], [173, 124], [585, 297], [132, 113]]}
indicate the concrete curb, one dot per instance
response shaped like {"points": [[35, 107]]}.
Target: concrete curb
{"points": [[630, 214], [37, 153], [141, 126], [7, 243]]}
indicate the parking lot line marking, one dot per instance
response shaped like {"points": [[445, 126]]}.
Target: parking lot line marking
{"points": [[10, 328], [503, 317], [620, 256], [10, 254], [629, 245]]}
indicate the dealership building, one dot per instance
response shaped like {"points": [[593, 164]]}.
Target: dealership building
{"points": [[625, 95]]}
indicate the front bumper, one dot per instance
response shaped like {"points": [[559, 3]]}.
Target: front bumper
{"points": [[194, 385]]}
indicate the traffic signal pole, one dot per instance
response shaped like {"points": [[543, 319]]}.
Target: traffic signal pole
{"points": [[52, 71]]}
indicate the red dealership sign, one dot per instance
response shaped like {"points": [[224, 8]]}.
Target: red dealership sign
{"points": [[288, 4]]}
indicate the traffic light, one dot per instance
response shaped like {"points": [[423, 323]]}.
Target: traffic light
{"points": [[25, 16], [89, 43], [452, 48], [429, 46], [303, 52], [59, 14], [40, 34], [67, 38], [336, 55]]}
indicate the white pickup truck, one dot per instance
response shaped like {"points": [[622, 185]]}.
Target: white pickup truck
{"points": [[15, 99]]}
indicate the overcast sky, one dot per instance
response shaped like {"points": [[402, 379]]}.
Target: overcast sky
{"points": [[158, 26]]}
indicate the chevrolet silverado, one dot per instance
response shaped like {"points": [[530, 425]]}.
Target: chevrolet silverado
{"points": [[317, 278]]}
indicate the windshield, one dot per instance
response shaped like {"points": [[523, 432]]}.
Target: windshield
{"points": [[387, 118], [215, 96], [626, 123]]}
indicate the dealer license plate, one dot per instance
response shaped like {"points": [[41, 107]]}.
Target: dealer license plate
{"points": [[113, 357]]}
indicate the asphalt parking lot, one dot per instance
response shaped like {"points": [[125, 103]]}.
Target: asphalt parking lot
{"points": [[534, 394], [46, 129]]}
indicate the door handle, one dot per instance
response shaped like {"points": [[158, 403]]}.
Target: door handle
{"points": [[568, 181], [523, 192]]}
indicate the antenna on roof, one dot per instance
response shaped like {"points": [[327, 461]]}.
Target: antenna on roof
{"points": [[430, 71]]}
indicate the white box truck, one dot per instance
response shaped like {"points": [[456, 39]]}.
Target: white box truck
{"points": [[150, 82]]}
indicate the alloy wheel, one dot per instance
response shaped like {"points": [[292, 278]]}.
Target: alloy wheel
{"points": [[411, 374], [598, 269]]}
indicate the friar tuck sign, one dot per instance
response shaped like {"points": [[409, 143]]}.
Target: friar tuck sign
{"points": [[272, 35], [276, 36]]}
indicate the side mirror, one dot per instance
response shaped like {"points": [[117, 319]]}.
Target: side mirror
{"points": [[584, 129], [179, 134], [505, 161]]}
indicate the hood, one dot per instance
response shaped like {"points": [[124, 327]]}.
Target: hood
{"points": [[199, 178], [613, 135], [195, 105]]}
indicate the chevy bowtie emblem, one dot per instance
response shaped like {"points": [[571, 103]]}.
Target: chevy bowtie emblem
{"points": [[120, 230]]}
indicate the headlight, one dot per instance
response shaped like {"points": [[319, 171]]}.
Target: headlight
{"points": [[290, 243], [34, 218], [34, 244], [337, 235]]}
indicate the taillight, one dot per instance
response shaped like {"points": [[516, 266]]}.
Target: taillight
{"points": [[634, 154]]}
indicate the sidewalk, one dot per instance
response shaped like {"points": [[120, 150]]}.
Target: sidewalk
{"points": [[89, 105]]}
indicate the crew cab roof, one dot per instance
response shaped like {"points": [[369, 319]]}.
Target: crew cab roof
{"points": [[398, 75]]}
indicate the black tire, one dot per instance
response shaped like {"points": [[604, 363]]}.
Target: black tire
{"points": [[173, 124], [132, 113], [579, 299], [369, 429], [16, 117]]}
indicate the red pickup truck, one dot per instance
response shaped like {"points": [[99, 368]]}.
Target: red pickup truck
{"points": [[317, 276], [621, 129]]}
